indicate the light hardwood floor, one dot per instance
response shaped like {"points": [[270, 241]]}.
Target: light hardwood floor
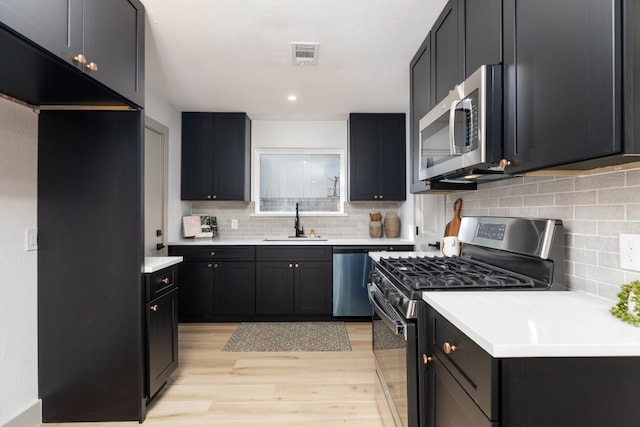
{"points": [[213, 388]]}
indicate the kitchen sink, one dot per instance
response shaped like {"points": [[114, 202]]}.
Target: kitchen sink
{"points": [[293, 238]]}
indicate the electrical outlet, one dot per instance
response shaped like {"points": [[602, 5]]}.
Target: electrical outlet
{"points": [[234, 224], [32, 239], [630, 251]]}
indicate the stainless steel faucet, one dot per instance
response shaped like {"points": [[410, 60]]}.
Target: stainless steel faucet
{"points": [[299, 229]]}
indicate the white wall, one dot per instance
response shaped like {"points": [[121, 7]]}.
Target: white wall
{"points": [[286, 134], [18, 287]]}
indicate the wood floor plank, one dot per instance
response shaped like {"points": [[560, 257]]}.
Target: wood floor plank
{"points": [[212, 388]]}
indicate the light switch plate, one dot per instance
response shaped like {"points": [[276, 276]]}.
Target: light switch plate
{"points": [[630, 251], [234, 224], [32, 239]]}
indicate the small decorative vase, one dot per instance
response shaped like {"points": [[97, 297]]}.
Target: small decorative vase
{"points": [[375, 229], [391, 225]]}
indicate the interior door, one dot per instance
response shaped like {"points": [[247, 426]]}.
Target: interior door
{"points": [[154, 189]]}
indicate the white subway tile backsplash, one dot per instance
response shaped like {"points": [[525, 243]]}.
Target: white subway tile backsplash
{"points": [[354, 224], [619, 196], [558, 186], [595, 209], [609, 212], [607, 180], [576, 198]]}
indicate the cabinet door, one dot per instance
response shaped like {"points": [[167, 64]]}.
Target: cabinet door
{"points": [[561, 83], [447, 50], [274, 287], [162, 340], [197, 156], [392, 139], [448, 404], [114, 41], [364, 169], [313, 288], [196, 291], [482, 34], [56, 25], [234, 288], [421, 104], [230, 157]]}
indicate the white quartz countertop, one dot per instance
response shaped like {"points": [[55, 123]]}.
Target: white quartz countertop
{"points": [[355, 241], [538, 323], [153, 264]]}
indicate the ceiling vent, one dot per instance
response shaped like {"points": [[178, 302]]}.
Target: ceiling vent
{"points": [[305, 53]]}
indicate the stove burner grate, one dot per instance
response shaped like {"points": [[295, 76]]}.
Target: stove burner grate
{"points": [[423, 273]]}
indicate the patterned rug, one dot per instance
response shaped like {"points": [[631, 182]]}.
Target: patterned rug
{"points": [[289, 336]]}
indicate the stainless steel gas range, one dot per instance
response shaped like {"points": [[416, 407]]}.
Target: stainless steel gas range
{"points": [[498, 253]]}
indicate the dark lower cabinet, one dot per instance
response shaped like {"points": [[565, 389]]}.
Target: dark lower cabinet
{"points": [[466, 387], [162, 340], [216, 282], [196, 291], [448, 403], [161, 327], [234, 290], [294, 281]]}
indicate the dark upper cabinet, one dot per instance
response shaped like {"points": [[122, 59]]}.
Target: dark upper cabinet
{"points": [[114, 41], [215, 156], [447, 65], [467, 34], [104, 40], [421, 104], [563, 93], [377, 156], [482, 33]]}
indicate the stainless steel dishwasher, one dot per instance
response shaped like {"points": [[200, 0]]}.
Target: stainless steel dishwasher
{"points": [[351, 268]]}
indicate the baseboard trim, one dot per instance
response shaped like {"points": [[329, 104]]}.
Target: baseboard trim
{"points": [[30, 417]]}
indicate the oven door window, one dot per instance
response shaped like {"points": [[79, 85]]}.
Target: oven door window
{"points": [[390, 351]]}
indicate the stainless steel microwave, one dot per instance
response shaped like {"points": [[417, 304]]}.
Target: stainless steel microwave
{"points": [[461, 138]]}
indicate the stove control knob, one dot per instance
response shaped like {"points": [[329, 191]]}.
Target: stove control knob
{"points": [[375, 277], [395, 299]]}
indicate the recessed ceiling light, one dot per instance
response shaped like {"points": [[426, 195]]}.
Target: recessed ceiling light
{"points": [[292, 97]]}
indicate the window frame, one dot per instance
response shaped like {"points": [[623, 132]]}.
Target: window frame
{"points": [[302, 151]]}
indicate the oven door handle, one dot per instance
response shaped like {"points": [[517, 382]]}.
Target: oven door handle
{"points": [[393, 322]]}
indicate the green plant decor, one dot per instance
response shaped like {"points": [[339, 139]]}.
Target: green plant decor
{"points": [[621, 309]]}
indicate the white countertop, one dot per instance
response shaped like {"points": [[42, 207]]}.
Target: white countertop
{"points": [[156, 263], [538, 323], [355, 241]]}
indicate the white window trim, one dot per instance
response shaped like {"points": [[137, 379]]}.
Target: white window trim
{"points": [[257, 152]]}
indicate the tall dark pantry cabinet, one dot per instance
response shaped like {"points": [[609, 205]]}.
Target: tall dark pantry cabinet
{"points": [[90, 207]]}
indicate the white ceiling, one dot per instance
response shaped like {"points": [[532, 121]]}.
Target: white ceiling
{"points": [[235, 55]]}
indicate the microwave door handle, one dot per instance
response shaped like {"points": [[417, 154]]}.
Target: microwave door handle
{"points": [[452, 127]]}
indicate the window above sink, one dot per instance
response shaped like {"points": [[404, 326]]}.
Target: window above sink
{"points": [[313, 178]]}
